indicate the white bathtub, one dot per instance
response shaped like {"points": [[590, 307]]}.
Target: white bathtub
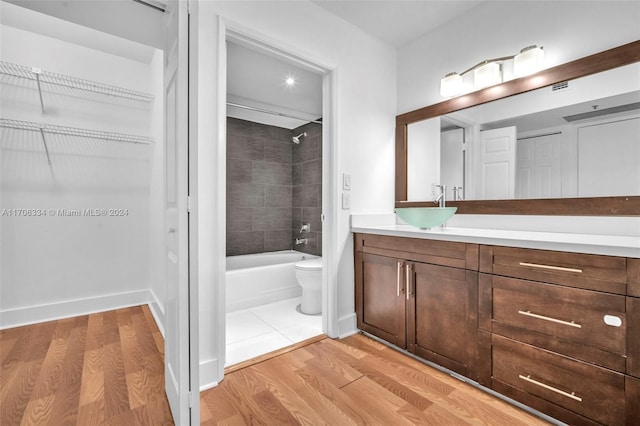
{"points": [[257, 279]]}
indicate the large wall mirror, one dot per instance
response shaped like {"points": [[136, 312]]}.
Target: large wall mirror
{"points": [[563, 141]]}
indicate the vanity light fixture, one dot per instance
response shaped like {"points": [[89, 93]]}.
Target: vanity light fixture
{"points": [[528, 61], [489, 72]]}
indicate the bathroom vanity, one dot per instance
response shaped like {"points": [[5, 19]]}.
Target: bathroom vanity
{"points": [[549, 320]]}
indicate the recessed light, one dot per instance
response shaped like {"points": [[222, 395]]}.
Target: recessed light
{"points": [[290, 81]]}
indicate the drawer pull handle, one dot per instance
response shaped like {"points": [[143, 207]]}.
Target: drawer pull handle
{"points": [[398, 279], [542, 317], [571, 395], [555, 268]]}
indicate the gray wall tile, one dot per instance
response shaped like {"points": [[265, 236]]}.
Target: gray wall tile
{"points": [[273, 187], [278, 196], [270, 219], [245, 195], [268, 173], [277, 240], [244, 243]]}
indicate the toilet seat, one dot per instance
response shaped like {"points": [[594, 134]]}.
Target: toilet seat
{"points": [[309, 264]]}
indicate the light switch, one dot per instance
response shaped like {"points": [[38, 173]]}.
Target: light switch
{"points": [[346, 201], [346, 181]]}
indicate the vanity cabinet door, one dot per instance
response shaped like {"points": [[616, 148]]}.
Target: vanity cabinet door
{"points": [[380, 297], [442, 319]]}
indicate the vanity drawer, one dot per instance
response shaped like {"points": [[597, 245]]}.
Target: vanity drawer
{"points": [[584, 324], [555, 383], [594, 272], [445, 253]]}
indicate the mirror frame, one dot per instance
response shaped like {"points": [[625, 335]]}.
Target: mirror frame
{"points": [[582, 206]]}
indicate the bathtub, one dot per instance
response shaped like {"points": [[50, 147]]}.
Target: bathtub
{"points": [[257, 279]]}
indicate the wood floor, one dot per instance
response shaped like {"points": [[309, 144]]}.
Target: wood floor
{"points": [[105, 368], [108, 368], [351, 381]]}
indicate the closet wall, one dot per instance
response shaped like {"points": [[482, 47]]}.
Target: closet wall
{"points": [[94, 228]]}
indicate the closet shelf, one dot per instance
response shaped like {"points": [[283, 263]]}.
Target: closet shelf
{"points": [[47, 77], [73, 131]]}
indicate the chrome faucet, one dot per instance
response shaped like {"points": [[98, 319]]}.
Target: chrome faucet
{"points": [[306, 227], [441, 199], [457, 193], [301, 241]]}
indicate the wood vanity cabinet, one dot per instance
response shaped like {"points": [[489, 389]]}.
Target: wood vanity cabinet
{"points": [[420, 295], [559, 332]]}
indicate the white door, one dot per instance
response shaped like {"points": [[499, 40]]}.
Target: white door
{"points": [[538, 167], [497, 164], [452, 161], [178, 356]]}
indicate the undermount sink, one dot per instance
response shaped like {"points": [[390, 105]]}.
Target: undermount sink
{"points": [[425, 217]]}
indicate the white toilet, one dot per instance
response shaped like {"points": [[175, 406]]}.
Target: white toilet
{"points": [[309, 275]]}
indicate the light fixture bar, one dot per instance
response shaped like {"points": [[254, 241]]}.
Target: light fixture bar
{"points": [[489, 72]]}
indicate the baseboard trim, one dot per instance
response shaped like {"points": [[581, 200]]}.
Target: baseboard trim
{"points": [[17, 317], [157, 310], [347, 326], [208, 374]]}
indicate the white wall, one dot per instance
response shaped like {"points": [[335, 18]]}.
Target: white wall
{"points": [[363, 135], [54, 266], [568, 30]]}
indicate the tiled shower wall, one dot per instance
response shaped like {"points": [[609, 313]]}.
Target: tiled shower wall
{"points": [[271, 188], [307, 188]]}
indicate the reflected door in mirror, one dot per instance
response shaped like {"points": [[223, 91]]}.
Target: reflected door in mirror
{"points": [[609, 158]]}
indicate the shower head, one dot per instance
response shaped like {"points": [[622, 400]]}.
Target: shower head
{"points": [[296, 139]]}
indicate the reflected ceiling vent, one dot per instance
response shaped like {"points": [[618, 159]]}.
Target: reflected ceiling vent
{"points": [[560, 86], [600, 112]]}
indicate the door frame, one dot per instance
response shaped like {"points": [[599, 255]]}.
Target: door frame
{"points": [[233, 31]]}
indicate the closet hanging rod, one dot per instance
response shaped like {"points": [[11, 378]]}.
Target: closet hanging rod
{"points": [[47, 77], [266, 111], [73, 131]]}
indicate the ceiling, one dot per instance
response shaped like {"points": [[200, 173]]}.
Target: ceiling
{"points": [[398, 22], [254, 78]]}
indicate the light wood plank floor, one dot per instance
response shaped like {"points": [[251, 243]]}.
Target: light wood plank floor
{"points": [[351, 381], [104, 368], [108, 368]]}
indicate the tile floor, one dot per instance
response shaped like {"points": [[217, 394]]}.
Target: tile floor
{"points": [[261, 329]]}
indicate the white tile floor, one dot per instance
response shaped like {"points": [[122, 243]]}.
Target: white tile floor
{"points": [[256, 331]]}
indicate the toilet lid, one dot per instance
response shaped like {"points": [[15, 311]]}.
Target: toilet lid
{"points": [[315, 263]]}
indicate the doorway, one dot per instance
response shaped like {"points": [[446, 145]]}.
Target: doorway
{"points": [[308, 221]]}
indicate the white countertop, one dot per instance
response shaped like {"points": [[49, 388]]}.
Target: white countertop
{"points": [[609, 245]]}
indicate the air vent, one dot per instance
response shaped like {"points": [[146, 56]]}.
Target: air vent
{"points": [[605, 111], [560, 86]]}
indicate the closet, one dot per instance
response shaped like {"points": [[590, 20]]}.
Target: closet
{"points": [[81, 154]]}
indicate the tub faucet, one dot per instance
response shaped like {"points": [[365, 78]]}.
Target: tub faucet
{"points": [[301, 241], [441, 199]]}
